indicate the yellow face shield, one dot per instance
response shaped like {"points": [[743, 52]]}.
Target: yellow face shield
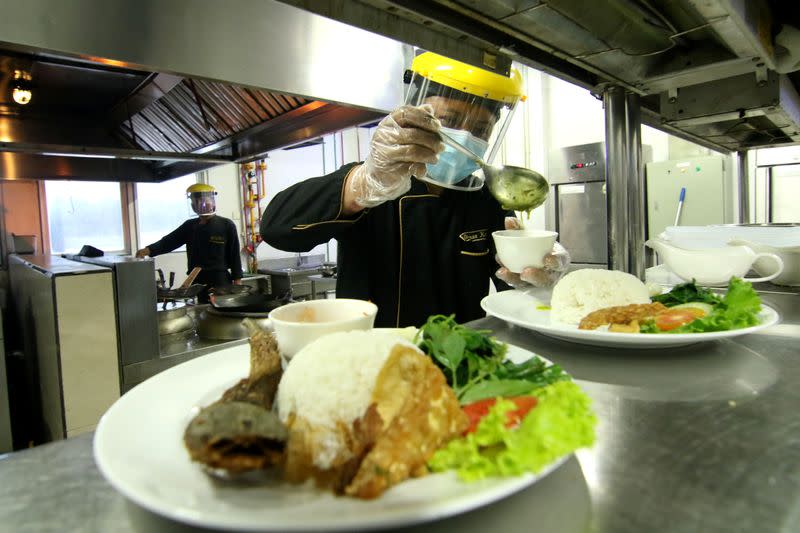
{"points": [[475, 107]]}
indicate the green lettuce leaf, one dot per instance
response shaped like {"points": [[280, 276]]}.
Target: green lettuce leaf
{"points": [[738, 309], [561, 422]]}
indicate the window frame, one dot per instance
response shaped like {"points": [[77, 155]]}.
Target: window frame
{"points": [[45, 220]]}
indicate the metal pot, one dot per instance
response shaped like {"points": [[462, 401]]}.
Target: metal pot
{"points": [[227, 325], [173, 318]]}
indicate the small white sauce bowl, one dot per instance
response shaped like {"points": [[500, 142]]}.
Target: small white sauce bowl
{"points": [[520, 248]]}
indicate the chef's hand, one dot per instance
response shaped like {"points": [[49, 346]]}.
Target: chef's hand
{"points": [[554, 266], [144, 252], [402, 144], [237, 281]]}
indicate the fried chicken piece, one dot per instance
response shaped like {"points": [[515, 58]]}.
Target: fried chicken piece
{"points": [[421, 414], [305, 442], [630, 327], [413, 413], [621, 314], [239, 432]]}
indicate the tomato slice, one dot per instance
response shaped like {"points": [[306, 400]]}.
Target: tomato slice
{"points": [[477, 410], [675, 318]]}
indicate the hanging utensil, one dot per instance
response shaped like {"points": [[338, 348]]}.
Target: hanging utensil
{"points": [[161, 282], [171, 279], [516, 188]]}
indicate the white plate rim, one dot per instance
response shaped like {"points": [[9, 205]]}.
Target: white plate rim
{"points": [[768, 316], [495, 490]]}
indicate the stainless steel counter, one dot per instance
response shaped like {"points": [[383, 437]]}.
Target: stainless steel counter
{"points": [[175, 349], [704, 438]]}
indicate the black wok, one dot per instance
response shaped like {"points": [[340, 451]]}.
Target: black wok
{"points": [[241, 299]]}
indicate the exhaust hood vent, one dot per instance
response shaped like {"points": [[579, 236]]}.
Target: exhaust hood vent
{"points": [[199, 113], [91, 121], [722, 73], [170, 88]]}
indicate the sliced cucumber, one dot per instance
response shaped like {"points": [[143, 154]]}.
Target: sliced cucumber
{"points": [[706, 308]]}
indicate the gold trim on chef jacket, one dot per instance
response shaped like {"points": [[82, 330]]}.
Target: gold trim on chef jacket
{"points": [[474, 236], [400, 276], [300, 227]]}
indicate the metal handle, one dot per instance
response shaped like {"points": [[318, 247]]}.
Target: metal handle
{"points": [[454, 144]]}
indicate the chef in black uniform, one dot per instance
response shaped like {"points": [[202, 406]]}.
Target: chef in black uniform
{"points": [[413, 222], [212, 242]]}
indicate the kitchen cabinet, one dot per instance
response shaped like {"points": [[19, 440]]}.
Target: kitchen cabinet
{"points": [[69, 333]]}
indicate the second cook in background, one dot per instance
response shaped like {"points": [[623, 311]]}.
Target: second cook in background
{"points": [[414, 222], [212, 242]]}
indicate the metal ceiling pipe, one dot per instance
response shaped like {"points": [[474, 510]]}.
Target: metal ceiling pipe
{"points": [[625, 191], [637, 197], [743, 162]]}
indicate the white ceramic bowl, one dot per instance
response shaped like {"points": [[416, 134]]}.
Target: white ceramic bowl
{"points": [[299, 323], [520, 248]]}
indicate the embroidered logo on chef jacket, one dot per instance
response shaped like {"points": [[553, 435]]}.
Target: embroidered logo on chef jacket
{"points": [[474, 242], [216, 239]]}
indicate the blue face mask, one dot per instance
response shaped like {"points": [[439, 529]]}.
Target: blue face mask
{"points": [[453, 166]]}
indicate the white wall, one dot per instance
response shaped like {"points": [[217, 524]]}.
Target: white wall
{"points": [[225, 178], [285, 168]]}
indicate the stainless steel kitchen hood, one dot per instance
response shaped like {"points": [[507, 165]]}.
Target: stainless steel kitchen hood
{"points": [[146, 91], [718, 72]]}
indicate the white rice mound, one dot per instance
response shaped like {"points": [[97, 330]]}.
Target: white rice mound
{"points": [[582, 291], [331, 380]]}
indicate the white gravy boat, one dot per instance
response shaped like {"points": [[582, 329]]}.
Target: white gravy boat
{"points": [[712, 266]]}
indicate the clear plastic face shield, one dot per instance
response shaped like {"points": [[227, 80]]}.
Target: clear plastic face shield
{"points": [[203, 203], [476, 122]]}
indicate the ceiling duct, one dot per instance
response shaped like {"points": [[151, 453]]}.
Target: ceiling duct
{"points": [[717, 72], [155, 90]]}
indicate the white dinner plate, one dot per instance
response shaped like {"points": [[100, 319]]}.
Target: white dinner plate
{"points": [[532, 311], [138, 448]]}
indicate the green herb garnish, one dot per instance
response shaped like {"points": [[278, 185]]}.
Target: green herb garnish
{"points": [[475, 365], [685, 293]]}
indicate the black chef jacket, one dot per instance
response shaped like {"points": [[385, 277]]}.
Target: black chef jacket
{"points": [[415, 256], [213, 246]]}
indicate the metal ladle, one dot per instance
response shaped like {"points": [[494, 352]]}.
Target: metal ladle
{"points": [[516, 188]]}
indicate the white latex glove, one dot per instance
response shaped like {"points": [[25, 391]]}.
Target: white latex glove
{"points": [[402, 144], [555, 266]]}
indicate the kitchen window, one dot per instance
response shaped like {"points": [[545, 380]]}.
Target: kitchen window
{"points": [[84, 212], [162, 207]]}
